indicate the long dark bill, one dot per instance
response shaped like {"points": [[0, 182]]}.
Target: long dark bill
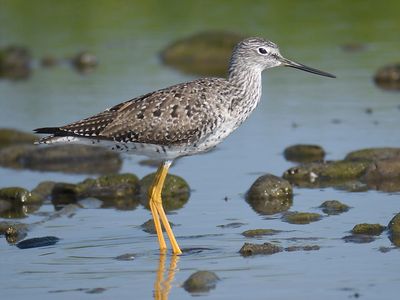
{"points": [[292, 64]]}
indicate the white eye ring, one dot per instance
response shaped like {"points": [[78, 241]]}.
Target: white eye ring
{"points": [[262, 50]]}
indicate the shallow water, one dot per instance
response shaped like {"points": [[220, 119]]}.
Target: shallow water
{"points": [[296, 108]]}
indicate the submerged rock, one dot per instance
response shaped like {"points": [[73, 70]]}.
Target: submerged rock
{"points": [[259, 232], [301, 217], [394, 230], [175, 192], [149, 226], [80, 159], [38, 242], [201, 282], [10, 137], [205, 53], [359, 238], [373, 154], [270, 194], [249, 249], [302, 248], [368, 229], [323, 174], [15, 62], [304, 153], [85, 62], [388, 77], [334, 207]]}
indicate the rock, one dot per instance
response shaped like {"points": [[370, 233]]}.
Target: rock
{"points": [[326, 174], [368, 229], [301, 217], [116, 190], [44, 189], [232, 225], [249, 249], [126, 257], [70, 158], [304, 153], [14, 232], [201, 282], [394, 230], [10, 137], [38, 242], [388, 169], [149, 227], [85, 62], [302, 248], [270, 194], [259, 232], [359, 238], [18, 202], [388, 77], [175, 192], [206, 53], [15, 62], [373, 154], [334, 207]]}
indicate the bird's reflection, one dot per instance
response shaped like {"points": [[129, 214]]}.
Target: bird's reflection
{"points": [[162, 285]]}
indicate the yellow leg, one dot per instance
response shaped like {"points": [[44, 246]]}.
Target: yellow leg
{"points": [[157, 209]]}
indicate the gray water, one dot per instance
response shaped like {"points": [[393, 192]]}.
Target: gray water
{"points": [[127, 37]]}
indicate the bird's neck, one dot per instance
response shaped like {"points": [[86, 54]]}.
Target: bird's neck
{"points": [[247, 82]]}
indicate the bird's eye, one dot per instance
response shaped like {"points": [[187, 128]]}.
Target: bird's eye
{"points": [[262, 50]]}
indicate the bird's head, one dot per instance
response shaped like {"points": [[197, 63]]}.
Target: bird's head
{"points": [[262, 54]]}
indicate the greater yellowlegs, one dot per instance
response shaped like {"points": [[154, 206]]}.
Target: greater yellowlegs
{"points": [[180, 120]]}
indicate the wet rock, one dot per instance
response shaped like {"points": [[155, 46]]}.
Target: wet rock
{"points": [[10, 137], [15, 62], [359, 238], [38, 242], [80, 159], [394, 230], [249, 249], [388, 77], [301, 217], [14, 232], [334, 207], [44, 189], [201, 282], [259, 232], [388, 169], [18, 202], [85, 62], [302, 248], [368, 229], [175, 192], [149, 227], [126, 257], [270, 194], [205, 53], [304, 153], [49, 61], [326, 174], [232, 225], [97, 290], [373, 154], [116, 190]]}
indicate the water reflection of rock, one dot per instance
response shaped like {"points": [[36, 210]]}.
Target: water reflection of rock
{"points": [[270, 194]]}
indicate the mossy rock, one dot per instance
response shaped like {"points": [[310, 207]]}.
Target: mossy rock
{"points": [[12, 136], [149, 226], [14, 232], [388, 77], [301, 217], [334, 207], [270, 194], [259, 232], [206, 53], [44, 189], [325, 174], [368, 229], [304, 153], [394, 230], [249, 249], [373, 154], [174, 195], [201, 282], [18, 195], [382, 170]]}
